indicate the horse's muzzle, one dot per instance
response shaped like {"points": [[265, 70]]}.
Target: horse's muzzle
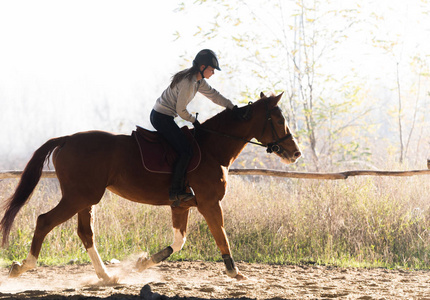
{"points": [[291, 159]]}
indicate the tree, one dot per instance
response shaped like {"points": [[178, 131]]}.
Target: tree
{"points": [[289, 46], [410, 66]]}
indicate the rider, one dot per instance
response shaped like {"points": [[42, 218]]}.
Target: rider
{"points": [[173, 102]]}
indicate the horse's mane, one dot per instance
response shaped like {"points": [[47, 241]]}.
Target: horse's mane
{"points": [[216, 121], [225, 121], [226, 115]]}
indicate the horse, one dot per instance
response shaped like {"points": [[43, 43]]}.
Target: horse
{"points": [[88, 163]]}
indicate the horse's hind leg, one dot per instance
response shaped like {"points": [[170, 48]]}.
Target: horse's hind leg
{"points": [[180, 221], [45, 223], [85, 232]]}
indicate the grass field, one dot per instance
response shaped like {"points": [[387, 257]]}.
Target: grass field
{"points": [[362, 221]]}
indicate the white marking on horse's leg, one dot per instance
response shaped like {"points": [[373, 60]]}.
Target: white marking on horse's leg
{"points": [[144, 263], [98, 264], [178, 240]]}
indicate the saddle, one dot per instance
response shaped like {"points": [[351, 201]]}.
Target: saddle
{"points": [[157, 154]]}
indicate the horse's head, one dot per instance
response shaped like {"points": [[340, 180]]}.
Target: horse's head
{"points": [[275, 133], [262, 120]]}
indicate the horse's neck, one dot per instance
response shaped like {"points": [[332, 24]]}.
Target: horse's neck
{"points": [[225, 145], [225, 150]]}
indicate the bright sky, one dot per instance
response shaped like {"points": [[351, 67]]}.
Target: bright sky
{"points": [[63, 63], [95, 42]]}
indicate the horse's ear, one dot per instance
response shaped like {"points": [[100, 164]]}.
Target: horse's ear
{"points": [[262, 95], [276, 99]]}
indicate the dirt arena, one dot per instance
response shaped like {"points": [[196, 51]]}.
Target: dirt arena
{"points": [[206, 280]]}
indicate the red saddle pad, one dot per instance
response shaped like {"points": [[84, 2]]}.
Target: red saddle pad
{"points": [[157, 154]]}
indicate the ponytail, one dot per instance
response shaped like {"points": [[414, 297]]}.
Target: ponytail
{"points": [[184, 74]]}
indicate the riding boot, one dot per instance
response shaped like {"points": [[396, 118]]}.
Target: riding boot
{"points": [[177, 192]]}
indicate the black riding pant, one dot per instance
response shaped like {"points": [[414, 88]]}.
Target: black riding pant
{"points": [[168, 128]]}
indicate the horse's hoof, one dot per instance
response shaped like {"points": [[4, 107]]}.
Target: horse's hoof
{"points": [[111, 280], [15, 270], [143, 263], [240, 276]]}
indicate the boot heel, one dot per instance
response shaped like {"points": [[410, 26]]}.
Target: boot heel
{"points": [[181, 196]]}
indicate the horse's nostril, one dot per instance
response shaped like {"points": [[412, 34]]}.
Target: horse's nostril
{"points": [[297, 154]]}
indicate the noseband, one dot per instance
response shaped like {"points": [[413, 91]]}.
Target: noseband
{"points": [[270, 147]]}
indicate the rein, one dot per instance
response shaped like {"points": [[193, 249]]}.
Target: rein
{"points": [[232, 137], [270, 147]]}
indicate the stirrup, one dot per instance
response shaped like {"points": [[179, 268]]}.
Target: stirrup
{"points": [[180, 196]]}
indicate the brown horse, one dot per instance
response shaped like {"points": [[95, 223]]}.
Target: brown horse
{"points": [[87, 163]]}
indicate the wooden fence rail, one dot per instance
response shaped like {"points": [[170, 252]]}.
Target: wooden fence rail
{"points": [[329, 176]]}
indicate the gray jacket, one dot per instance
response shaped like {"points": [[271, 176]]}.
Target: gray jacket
{"points": [[173, 102]]}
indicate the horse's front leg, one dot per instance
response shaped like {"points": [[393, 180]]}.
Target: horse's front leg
{"points": [[212, 212], [180, 221]]}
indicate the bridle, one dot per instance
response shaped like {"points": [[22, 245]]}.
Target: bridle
{"points": [[272, 147]]}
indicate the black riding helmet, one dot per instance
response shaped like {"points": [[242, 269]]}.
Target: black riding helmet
{"points": [[206, 58]]}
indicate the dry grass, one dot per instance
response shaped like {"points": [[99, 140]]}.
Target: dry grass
{"points": [[363, 221], [367, 221]]}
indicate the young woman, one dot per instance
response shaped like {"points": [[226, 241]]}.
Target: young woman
{"points": [[173, 102]]}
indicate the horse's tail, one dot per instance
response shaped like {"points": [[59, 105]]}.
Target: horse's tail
{"points": [[29, 179]]}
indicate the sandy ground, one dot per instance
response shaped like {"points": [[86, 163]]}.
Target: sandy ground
{"points": [[206, 280]]}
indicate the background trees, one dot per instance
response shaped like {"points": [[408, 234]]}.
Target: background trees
{"points": [[325, 57]]}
